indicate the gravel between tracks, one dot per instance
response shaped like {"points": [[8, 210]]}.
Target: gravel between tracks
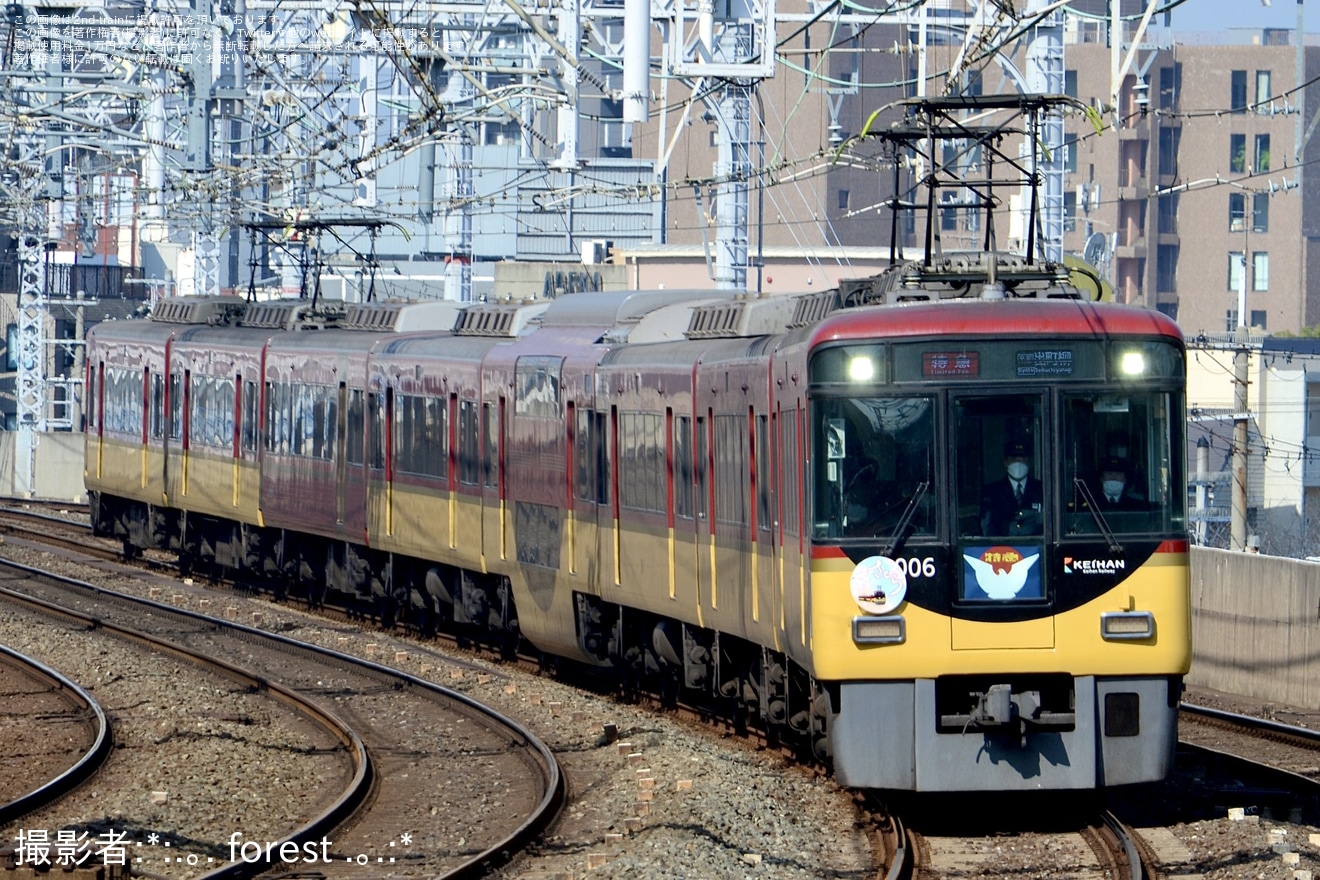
{"points": [[713, 809], [196, 757], [716, 809]]}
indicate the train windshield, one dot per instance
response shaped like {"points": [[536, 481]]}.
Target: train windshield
{"points": [[1119, 470], [1023, 468], [876, 469], [1113, 472], [999, 466]]}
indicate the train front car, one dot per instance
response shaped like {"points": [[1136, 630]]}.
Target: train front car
{"points": [[999, 563]]}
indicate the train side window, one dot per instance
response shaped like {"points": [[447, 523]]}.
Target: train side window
{"points": [[185, 428], [536, 384], [403, 434], [602, 447], [325, 419], [683, 487], [790, 470], [202, 408], [584, 456], [248, 432], [176, 406], [300, 419], [732, 455], [353, 430], [90, 410], [762, 473], [437, 438], [157, 385], [469, 439], [490, 458], [284, 417], [701, 468], [211, 412], [376, 423], [117, 399], [222, 430], [422, 436], [642, 461], [269, 440]]}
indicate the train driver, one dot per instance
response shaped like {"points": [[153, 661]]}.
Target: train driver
{"points": [[1013, 504]]}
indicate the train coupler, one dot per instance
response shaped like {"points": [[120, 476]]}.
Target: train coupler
{"points": [[999, 710]]}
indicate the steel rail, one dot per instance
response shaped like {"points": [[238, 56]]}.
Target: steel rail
{"points": [[354, 794], [84, 767], [1136, 868], [1265, 724], [903, 858], [553, 780]]}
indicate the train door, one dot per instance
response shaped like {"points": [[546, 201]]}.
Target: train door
{"points": [[707, 585], [153, 433], [765, 590], [172, 460], [467, 518], [353, 408], [792, 541], [185, 431], [92, 421], [684, 507], [591, 480], [341, 453], [1001, 465], [387, 441], [493, 513]]}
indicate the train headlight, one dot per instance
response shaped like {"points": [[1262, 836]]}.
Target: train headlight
{"points": [[861, 368], [1127, 625], [879, 630], [1132, 363]]}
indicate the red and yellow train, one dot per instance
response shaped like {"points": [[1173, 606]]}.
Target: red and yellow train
{"points": [[778, 504]]}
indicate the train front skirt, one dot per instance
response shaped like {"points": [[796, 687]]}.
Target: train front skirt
{"points": [[888, 735]]}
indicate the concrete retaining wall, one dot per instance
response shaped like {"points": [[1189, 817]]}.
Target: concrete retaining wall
{"points": [[1256, 625], [57, 467]]}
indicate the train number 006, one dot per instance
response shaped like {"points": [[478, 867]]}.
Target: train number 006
{"points": [[916, 567]]}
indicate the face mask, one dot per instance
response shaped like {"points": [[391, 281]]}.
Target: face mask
{"points": [[1017, 470], [1112, 487], [1119, 452]]}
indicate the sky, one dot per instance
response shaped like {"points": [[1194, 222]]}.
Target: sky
{"points": [[1217, 14]]}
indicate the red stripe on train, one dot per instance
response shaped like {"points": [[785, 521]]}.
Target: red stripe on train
{"points": [[818, 552]]}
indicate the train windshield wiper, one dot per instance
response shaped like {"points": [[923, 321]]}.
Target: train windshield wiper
{"points": [[900, 530], [1114, 547]]}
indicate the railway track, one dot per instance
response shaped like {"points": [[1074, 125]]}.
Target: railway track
{"points": [[498, 784], [1274, 766], [1100, 847], [50, 529], [56, 735], [917, 853]]}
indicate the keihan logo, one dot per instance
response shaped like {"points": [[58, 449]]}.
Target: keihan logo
{"points": [[1093, 566]]}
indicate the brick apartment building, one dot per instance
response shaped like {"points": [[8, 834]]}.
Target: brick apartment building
{"points": [[1206, 167]]}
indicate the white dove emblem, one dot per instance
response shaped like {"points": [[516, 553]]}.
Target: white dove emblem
{"points": [[1003, 584]]}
